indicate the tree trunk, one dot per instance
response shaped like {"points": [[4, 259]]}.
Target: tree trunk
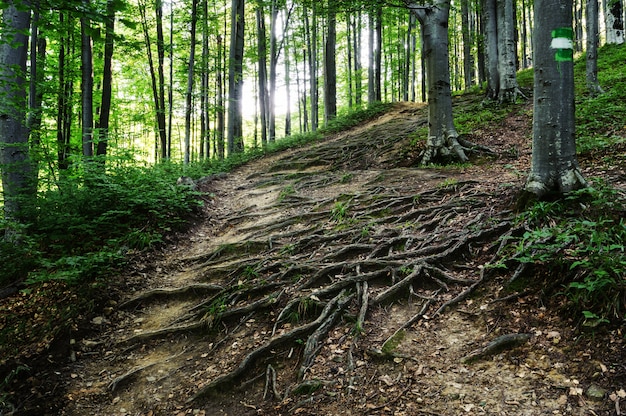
{"points": [[592, 48], [64, 97], [102, 126], [554, 168], [468, 59], [442, 144], [165, 143], [507, 67], [371, 90], [378, 51], [491, 48], [614, 21], [37, 77], [330, 65], [220, 113], [204, 85], [190, 81], [235, 77], [262, 60], [86, 84], [311, 30], [273, 68], [18, 176]]}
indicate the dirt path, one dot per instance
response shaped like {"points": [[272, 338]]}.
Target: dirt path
{"points": [[261, 287]]}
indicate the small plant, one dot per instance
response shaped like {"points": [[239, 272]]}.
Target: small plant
{"points": [[346, 178], [448, 183], [339, 211], [285, 192]]}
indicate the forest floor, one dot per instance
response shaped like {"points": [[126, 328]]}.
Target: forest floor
{"points": [[338, 279]]}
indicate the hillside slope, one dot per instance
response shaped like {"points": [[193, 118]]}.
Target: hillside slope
{"points": [[338, 279]]}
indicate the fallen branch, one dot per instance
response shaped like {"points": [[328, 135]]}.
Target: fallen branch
{"points": [[496, 346]]}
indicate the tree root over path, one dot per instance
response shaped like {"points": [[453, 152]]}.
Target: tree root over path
{"points": [[385, 247]]}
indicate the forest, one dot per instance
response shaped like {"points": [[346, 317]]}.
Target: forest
{"points": [[121, 119]]}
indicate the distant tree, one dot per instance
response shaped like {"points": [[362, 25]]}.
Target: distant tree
{"points": [[18, 176], [330, 64], [190, 81], [102, 125], [614, 21], [554, 167], [592, 48], [86, 86]]}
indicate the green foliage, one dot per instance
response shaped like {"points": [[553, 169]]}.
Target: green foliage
{"points": [[600, 119], [583, 236], [285, 192]]}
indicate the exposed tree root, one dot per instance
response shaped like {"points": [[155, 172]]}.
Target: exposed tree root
{"points": [[150, 295], [301, 283]]}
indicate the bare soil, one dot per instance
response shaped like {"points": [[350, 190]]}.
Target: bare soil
{"points": [[340, 279]]}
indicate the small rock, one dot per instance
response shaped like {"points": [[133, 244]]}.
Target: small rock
{"points": [[595, 392], [98, 320]]}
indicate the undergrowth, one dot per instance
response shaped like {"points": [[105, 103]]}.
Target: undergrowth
{"points": [[580, 237]]}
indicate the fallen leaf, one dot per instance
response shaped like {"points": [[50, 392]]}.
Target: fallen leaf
{"points": [[387, 380], [575, 391]]}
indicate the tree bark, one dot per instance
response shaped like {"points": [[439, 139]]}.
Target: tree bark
{"points": [[235, 78], [507, 67], [86, 84], [490, 28], [614, 21], [592, 48], [262, 69], [18, 176], [442, 144], [554, 167], [190, 82], [330, 65], [102, 126]]}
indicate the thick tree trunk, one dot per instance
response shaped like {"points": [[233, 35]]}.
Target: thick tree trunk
{"points": [[554, 168], [235, 78], [592, 48], [442, 144], [18, 176], [491, 48], [507, 67]]}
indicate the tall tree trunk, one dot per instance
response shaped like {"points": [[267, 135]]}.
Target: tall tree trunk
{"points": [[18, 176], [490, 28], [554, 167], [358, 69], [262, 70], [311, 30], [592, 48], [371, 71], [235, 77], [190, 81], [507, 67], [35, 96], [159, 104], [442, 144], [220, 113], [286, 38], [165, 148], [468, 59], [64, 96], [378, 54], [273, 67], [330, 65], [102, 126], [204, 85], [86, 83]]}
